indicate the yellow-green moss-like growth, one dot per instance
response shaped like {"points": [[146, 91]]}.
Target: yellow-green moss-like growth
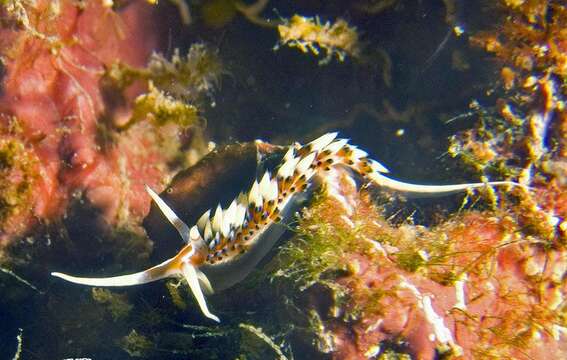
{"points": [[320, 247], [176, 297], [183, 77], [187, 76], [311, 35], [136, 345], [255, 344], [481, 148], [326, 238], [18, 167], [173, 85], [117, 304], [160, 109]]}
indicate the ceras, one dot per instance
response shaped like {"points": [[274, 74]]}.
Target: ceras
{"points": [[225, 245]]}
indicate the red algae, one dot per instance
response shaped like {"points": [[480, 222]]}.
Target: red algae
{"points": [[486, 283], [55, 55], [471, 287], [527, 136]]}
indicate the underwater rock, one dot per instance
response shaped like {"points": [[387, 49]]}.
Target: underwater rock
{"points": [[18, 173], [474, 285], [485, 283], [64, 119], [350, 284]]}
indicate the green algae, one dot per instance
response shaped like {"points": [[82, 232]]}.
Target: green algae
{"points": [[160, 109], [187, 76], [136, 345], [318, 251], [174, 86], [255, 344], [311, 35], [117, 304], [416, 258], [175, 295], [479, 150], [390, 354], [183, 77], [18, 166]]}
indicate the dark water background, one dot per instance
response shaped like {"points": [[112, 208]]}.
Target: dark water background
{"points": [[280, 96]]}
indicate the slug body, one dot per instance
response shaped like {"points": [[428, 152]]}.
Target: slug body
{"points": [[225, 245]]}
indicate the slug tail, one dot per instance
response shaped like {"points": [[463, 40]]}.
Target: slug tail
{"points": [[417, 190]]}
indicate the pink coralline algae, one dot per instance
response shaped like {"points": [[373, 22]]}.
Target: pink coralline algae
{"points": [[53, 105], [473, 286]]}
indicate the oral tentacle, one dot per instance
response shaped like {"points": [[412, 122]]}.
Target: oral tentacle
{"points": [[226, 244], [192, 276], [155, 273], [179, 225]]}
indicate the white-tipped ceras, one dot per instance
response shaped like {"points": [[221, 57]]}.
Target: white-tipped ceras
{"points": [[227, 243]]}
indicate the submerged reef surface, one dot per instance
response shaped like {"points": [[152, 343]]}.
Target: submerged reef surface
{"points": [[99, 98], [63, 128], [471, 287], [52, 102]]}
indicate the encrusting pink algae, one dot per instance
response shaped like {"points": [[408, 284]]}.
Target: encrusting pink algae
{"points": [[91, 112], [56, 56]]}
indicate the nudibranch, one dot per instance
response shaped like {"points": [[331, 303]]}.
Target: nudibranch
{"points": [[225, 244]]}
